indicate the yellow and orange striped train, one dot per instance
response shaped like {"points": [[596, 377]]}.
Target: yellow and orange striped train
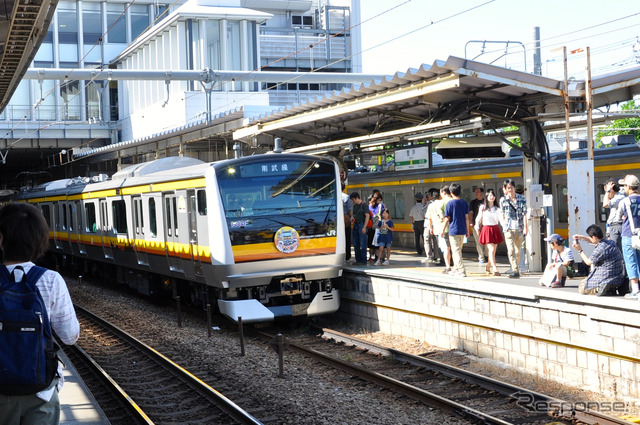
{"points": [[259, 236], [398, 187]]}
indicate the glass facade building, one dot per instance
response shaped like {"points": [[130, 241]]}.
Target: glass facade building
{"points": [[242, 35]]}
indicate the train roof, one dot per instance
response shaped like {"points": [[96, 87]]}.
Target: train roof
{"points": [[157, 166], [157, 171]]}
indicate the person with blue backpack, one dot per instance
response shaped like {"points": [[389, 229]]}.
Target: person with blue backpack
{"points": [[33, 302]]}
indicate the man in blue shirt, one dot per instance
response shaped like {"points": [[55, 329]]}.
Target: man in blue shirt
{"points": [[456, 215]]}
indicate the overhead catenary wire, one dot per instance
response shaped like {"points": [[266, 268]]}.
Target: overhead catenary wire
{"points": [[362, 51]]}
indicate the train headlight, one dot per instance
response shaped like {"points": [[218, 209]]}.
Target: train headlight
{"points": [[328, 286]]}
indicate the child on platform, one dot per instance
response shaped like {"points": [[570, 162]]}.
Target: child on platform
{"points": [[385, 238]]}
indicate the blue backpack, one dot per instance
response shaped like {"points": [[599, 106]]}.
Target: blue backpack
{"points": [[28, 353]]}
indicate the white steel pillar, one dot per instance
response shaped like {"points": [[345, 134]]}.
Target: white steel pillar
{"points": [[56, 63], [531, 176], [580, 194], [581, 188], [82, 91], [245, 42]]}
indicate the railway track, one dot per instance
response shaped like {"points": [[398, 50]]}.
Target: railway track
{"points": [[455, 391], [159, 390]]}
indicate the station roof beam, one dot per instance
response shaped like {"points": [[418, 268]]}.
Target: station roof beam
{"points": [[23, 27]]}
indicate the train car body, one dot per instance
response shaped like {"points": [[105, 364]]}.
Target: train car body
{"points": [[399, 187], [258, 235]]}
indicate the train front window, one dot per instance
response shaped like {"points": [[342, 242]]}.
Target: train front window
{"points": [[261, 196]]}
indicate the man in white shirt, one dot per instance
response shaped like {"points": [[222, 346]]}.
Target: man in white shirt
{"points": [[417, 221]]}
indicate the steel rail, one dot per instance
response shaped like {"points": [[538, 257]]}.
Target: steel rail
{"points": [[560, 407], [226, 405], [136, 413], [426, 397]]}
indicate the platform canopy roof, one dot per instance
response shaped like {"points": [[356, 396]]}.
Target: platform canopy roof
{"points": [[23, 26], [446, 97], [435, 100]]}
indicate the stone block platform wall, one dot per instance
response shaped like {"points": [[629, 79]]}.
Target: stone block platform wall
{"points": [[587, 341]]}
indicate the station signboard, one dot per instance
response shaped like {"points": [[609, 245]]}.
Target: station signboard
{"points": [[412, 159]]}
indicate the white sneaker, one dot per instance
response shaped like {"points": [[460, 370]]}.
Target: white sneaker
{"points": [[633, 296], [377, 263], [385, 263]]}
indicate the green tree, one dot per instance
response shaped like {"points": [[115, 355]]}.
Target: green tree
{"points": [[623, 126]]}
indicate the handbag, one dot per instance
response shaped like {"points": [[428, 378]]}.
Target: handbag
{"points": [[375, 237], [635, 237], [442, 243], [548, 277]]}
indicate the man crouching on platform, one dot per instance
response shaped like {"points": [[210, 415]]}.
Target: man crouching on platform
{"points": [[606, 263]]}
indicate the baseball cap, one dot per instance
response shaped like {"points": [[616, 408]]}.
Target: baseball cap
{"points": [[419, 195], [520, 189], [630, 180], [554, 238]]}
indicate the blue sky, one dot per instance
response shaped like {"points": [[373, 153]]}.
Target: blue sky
{"points": [[443, 28]]}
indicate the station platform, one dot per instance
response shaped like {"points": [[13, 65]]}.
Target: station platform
{"points": [[589, 341], [78, 406], [406, 264]]}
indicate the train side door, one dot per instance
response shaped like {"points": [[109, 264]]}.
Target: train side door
{"points": [[67, 226], [106, 232], [138, 232], [172, 242], [78, 228], [192, 210]]}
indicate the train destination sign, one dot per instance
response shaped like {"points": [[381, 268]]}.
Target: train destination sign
{"points": [[276, 168]]}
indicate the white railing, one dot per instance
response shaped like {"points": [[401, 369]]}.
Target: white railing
{"points": [[296, 46]]}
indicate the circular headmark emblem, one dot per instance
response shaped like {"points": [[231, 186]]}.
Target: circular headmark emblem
{"points": [[287, 239]]}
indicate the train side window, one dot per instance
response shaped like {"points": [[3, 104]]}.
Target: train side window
{"points": [[56, 216], [599, 199], [70, 206], [175, 217], [153, 223], [136, 215], [46, 212], [104, 216], [562, 203], [78, 210], [468, 192], [394, 201], [141, 217], [63, 208], [399, 206], [167, 204], [119, 216], [90, 217], [202, 202]]}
